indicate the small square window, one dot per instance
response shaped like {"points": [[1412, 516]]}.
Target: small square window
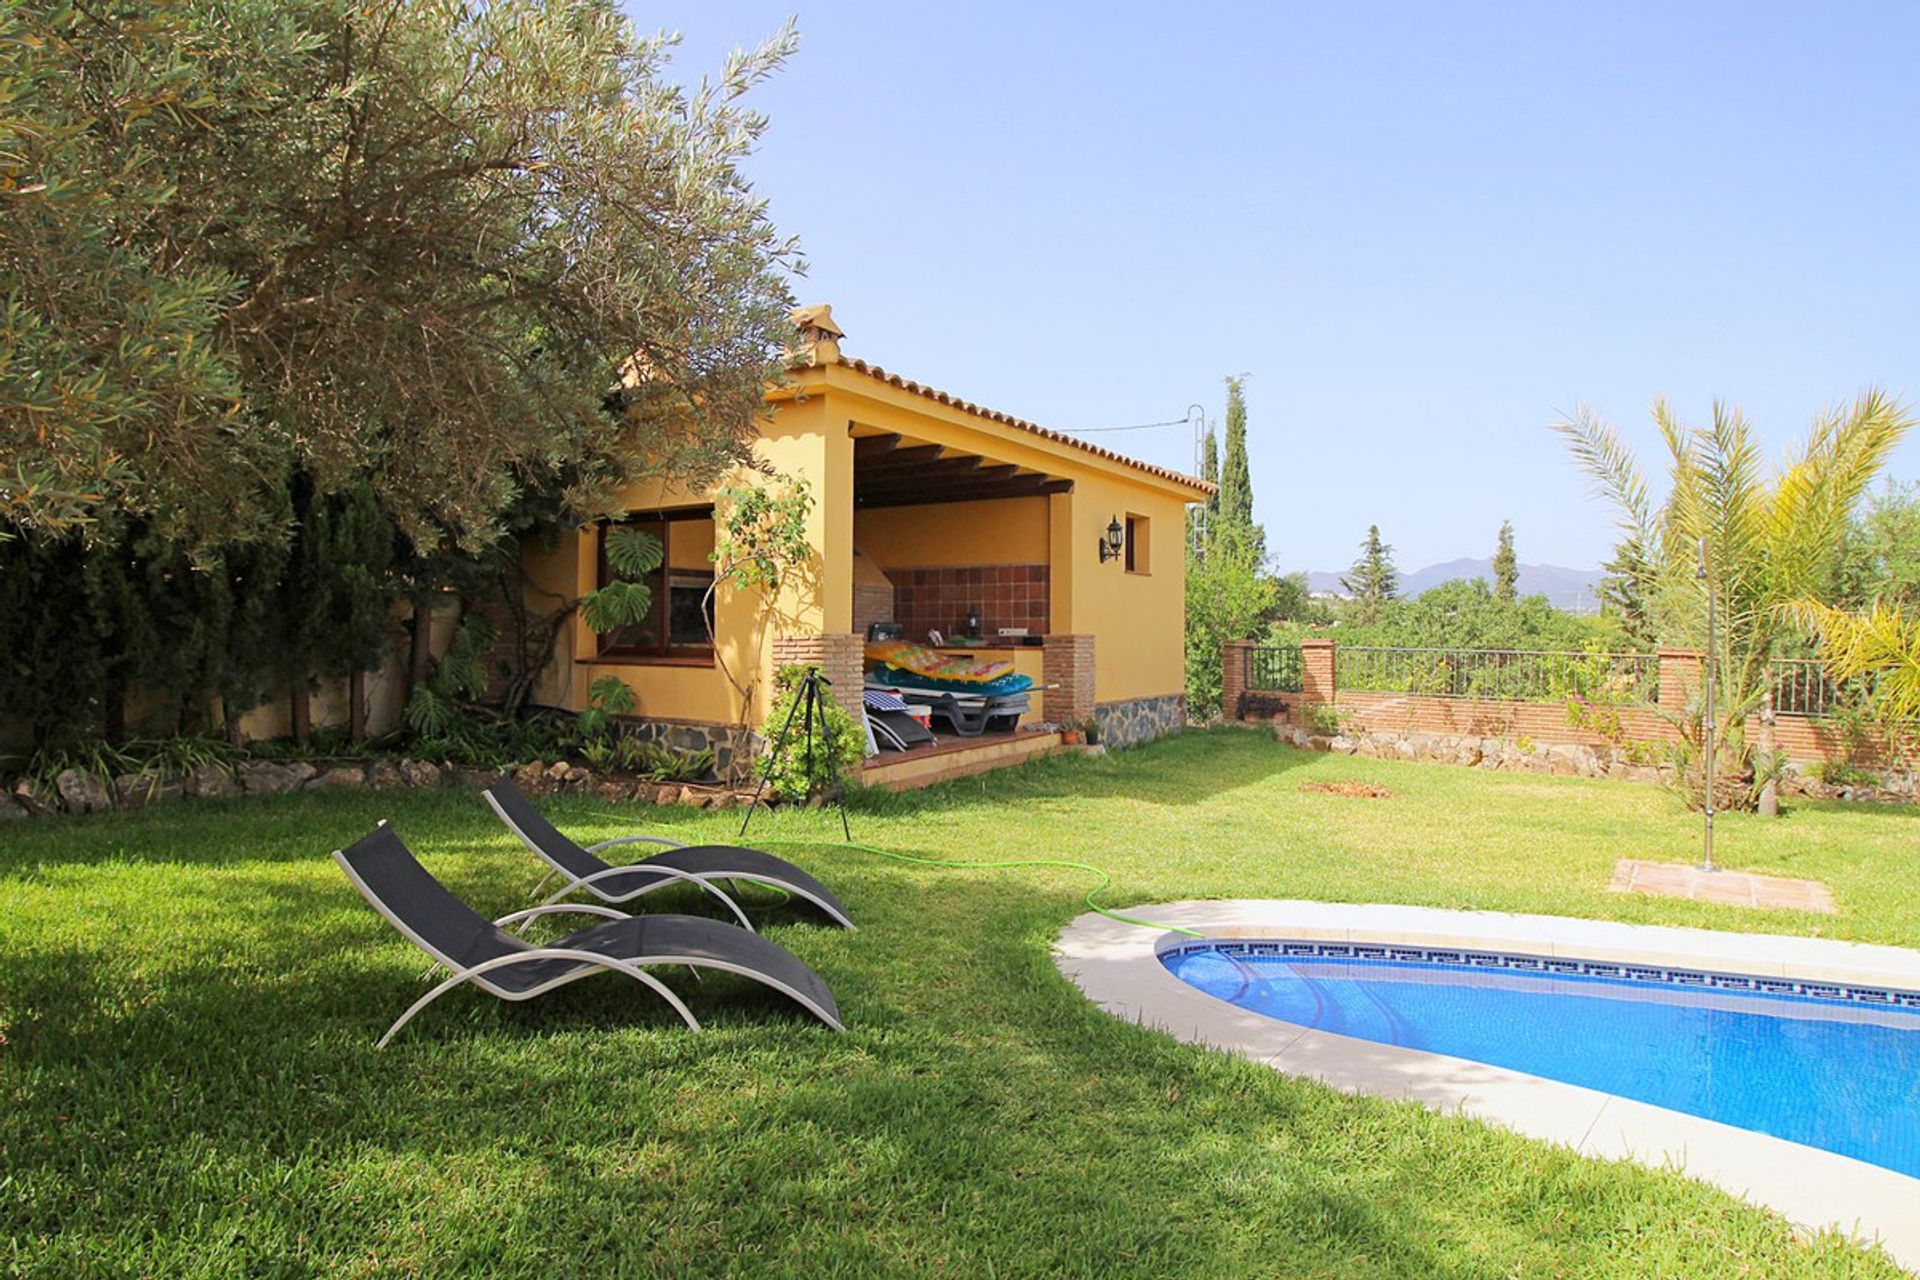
{"points": [[1139, 544]]}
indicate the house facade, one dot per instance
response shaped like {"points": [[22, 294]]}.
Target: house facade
{"points": [[926, 509]]}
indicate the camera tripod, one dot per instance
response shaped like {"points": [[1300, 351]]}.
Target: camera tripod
{"points": [[811, 707]]}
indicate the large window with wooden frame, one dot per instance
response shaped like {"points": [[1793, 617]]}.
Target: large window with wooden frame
{"points": [[678, 626]]}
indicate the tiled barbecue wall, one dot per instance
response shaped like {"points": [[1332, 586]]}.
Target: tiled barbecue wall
{"points": [[1007, 595]]}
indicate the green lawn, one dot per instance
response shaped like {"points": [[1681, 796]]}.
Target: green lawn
{"points": [[189, 999]]}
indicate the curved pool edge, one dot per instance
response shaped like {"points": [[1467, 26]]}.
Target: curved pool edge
{"points": [[1118, 967]]}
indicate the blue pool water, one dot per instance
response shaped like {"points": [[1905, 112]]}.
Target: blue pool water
{"points": [[1832, 1073]]}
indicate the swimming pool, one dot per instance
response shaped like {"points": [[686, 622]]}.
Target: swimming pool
{"points": [[1829, 1065]]}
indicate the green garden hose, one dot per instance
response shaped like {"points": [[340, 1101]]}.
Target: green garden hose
{"points": [[1093, 894], [996, 864]]}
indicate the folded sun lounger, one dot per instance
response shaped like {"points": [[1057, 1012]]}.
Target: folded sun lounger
{"points": [[892, 724], [702, 864], [967, 715], [482, 952]]}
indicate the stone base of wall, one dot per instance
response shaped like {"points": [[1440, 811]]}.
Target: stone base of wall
{"points": [[1511, 755], [1577, 760], [729, 743], [1138, 720]]}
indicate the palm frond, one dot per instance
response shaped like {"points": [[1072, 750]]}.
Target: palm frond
{"points": [[1733, 505], [1882, 645], [1818, 492], [1616, 476], [1684, 519]]}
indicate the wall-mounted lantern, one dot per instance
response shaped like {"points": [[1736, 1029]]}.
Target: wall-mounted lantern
{"points": [[1114, 544]]}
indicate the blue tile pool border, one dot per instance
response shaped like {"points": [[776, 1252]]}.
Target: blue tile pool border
{"points": [[1552, 966]]}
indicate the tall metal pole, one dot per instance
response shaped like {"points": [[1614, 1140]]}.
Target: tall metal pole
{"points": [[1198, 416], [1706, 863]]}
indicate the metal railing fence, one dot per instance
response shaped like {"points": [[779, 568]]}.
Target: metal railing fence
{"points": [[1511, 674]]}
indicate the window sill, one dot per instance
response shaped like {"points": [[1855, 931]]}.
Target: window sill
{"points": [[649, 660]]}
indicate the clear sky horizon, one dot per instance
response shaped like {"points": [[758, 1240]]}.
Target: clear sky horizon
{"points": [[1422, 231]]}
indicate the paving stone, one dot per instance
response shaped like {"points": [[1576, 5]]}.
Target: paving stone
{"points": [[1726, 888]]}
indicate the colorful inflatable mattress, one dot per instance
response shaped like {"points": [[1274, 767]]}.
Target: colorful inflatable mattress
{"points": [[914, 666]]}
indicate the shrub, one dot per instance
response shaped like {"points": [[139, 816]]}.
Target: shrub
{"points": [[838, 744]]}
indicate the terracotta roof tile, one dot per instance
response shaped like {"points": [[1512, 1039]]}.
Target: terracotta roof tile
{"points": [[994, 415]]}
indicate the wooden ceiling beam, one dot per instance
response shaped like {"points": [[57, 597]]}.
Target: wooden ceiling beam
{"points": [[874, 446], [913, 458], [917, 495]]}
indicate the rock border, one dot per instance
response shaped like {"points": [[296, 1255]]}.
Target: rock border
{"points": [[77, 791], [1571, 760]]}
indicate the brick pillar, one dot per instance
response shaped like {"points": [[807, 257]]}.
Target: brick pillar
{"points": [[1067, 661], [1233, 677], [1681, 673], [1317, 687], [839, 658]]}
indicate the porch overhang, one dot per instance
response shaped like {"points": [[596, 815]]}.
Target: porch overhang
{"points": [[893, 470]]}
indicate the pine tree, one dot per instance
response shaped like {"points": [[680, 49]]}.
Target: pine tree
{"points": [[1626, 591], [1506, 567], [1373, 580]]}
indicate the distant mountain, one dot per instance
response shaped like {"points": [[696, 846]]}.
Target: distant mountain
{"points": [[1571, 589]]}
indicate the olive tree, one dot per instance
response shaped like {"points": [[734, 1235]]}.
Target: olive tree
{"points": [[448, 251]]}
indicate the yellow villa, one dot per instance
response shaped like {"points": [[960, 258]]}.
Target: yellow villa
{"points": [[927, 511]]}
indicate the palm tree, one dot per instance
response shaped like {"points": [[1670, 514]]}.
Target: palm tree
{"points": [[1770, 542], [1881, 645]]}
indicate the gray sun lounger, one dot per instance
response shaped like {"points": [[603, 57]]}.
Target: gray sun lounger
{"points": [[701, 864], [482, 952]]}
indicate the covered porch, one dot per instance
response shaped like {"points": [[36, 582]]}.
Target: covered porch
{"points": [[954, 547]]}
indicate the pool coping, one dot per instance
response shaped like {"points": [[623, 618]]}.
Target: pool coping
{"points": [[1118, 967]]}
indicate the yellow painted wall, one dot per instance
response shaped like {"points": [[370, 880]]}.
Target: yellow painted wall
{"points": [[1137, 619], [820, 598], [1007, 531]]}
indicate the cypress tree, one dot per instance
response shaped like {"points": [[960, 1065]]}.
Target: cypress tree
{"points": [[1236, 482], [1235, 506], [358, 551], [1210, 469]]}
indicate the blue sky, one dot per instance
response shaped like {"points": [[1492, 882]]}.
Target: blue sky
{"points": [[1423, 231]]}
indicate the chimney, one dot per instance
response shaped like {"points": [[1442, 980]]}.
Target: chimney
{"points": [[817, 339]]}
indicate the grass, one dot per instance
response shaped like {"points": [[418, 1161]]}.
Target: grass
{"points": [[189, 999]]}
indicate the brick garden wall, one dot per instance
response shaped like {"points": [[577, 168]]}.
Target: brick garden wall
{"points": [[1439, 725]]}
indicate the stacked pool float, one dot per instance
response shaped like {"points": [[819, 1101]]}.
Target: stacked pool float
{"points": [[971, 697]]}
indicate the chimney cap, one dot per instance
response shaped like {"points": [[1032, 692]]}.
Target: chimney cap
{"points": [[818, 318]]}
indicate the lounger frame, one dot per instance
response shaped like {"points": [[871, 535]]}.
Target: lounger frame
{"points": [[706, 881], [587, 962]]}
